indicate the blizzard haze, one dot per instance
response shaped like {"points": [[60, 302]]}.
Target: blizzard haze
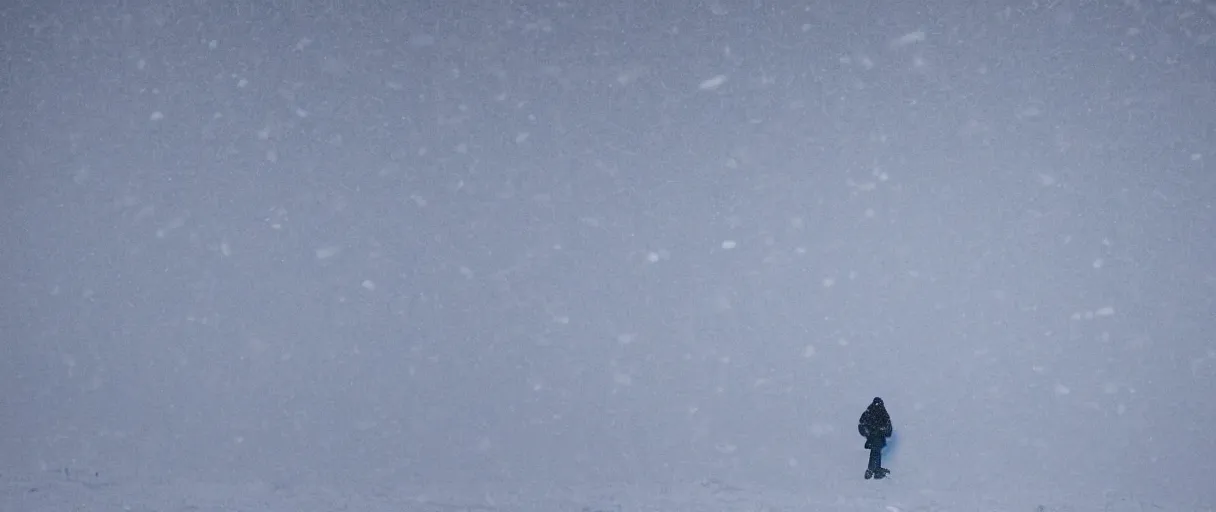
{"points": [[612, 243]]}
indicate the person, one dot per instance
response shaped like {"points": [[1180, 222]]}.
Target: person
{"points": [[875, 426]]}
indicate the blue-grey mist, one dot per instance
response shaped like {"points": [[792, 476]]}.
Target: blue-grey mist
{"points": [[610, 241]]}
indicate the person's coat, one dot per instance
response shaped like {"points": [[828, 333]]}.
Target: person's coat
{"points": [[875, 425]]}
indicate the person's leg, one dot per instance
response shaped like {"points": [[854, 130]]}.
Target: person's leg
{"points": [[876, 463]]}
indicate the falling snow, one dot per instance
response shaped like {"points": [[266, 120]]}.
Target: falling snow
{"points": [[713, 83], [467, 235], [324, 253]]}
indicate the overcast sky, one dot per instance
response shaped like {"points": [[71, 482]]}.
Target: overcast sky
{"points": [[610, 241]]}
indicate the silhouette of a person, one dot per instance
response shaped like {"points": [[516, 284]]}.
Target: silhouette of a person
{"points": [[875, 426]]}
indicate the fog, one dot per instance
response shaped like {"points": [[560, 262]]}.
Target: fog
{"points": [[610, 242]]}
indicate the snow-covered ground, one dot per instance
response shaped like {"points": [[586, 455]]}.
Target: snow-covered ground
{"points": [[602, 243], [56, 492]]}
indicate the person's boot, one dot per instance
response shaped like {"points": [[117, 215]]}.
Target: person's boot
{"points": [[881, 473], [870, 474]]}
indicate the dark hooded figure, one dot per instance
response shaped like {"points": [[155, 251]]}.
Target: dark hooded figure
{"points": [[875, 426]]}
